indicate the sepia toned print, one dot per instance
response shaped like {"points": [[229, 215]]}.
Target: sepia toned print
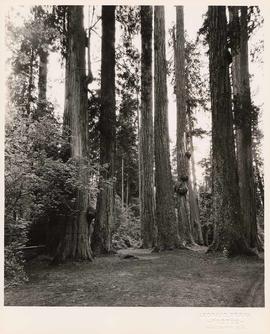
{"points": [[133, 156]]}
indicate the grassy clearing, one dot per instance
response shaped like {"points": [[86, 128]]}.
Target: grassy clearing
{"points": [[174, 278]]}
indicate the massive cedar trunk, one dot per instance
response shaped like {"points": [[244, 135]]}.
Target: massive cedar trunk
{"points": [[147, 132], [74, 243], [168, 237], [105, 202], [243, 110], [229, 231], [245, 159], [184, 224]]}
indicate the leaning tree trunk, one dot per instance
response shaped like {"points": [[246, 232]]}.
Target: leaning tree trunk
{"points": [[168, 237], [147, 132], [229, 230], [105, 201], [243, 110], [74, 243], [182, 187]]}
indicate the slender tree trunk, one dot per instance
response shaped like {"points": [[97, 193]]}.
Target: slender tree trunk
{"points": [[193, 168], [147, 132], [42, 82], [184, 223], [90, 77], [74, 242], [260, 183], [229, 230], [105, 201], [140, 162], [42, 77], [127, 191], [168, 237], [30, 83], [193, 195], [122, 185], [243, 109]]}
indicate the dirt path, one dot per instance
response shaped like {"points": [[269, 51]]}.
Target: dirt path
{"points": [[174, 278]]}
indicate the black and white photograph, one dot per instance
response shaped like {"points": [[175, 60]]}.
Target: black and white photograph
{"points": [[134, 156]]}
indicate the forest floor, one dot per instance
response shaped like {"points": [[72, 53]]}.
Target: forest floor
{"points": [[185, 278]]}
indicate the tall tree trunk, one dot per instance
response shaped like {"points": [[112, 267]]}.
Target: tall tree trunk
{"points": [[140, 162], [42, 77], [168, 237], [74, 243], [127, 191], [122, 185], [184, 223], [229, 230], [30, 83], [193, 194], [243, 110], [147, 132], [90, 77], [245, 165], [42, 82], [105, 201]]}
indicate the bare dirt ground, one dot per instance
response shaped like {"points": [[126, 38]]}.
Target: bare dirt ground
{"points": [[187, 278]]}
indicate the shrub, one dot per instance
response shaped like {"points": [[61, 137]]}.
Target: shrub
{"points": [[126, 232]]}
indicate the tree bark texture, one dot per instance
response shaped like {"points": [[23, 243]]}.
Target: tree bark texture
{"points": [[229, 230], [147, 131], [182, 189], [243, 110], [168, 237], [74, 242], [105, 201]]}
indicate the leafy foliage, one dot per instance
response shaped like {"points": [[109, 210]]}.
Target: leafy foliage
{"points": [[38, 184], [127, 90], [127, 227]]}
